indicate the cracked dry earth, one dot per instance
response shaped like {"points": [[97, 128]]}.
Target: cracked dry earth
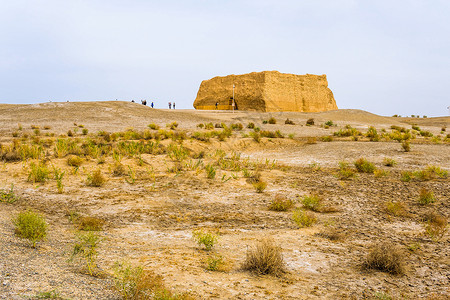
{"points": [[150, 221]]}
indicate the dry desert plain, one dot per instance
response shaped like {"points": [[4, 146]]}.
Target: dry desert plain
{"points": [[162, 185]]}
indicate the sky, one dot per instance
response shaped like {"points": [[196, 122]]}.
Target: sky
{"points": [[385, 57]]}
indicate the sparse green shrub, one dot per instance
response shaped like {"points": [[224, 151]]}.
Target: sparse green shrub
{"points": [[372, 134], [303, 218], [8, 196], [86, 249], [415, 127], [260, 186], [380, 173], [289, 122], [85, 131], [310, 122], [237, 126], [207, 239], [345, 172], [38, 172], [70, 133], [389, 162], [214, 262], [209, 126], [74, 161], [426, 197], [30, 225], [155, 127], [327, 139], [312, 202], [406, 145], [58, 175], [251, 125], [172, 125], [425, 133], [177, 152], [210, 171], [385, 257], [347, 131], [329, 123], [406, 176], [364, 166], [272, 120], [265, 258], [396, 208], [281, 203], [256, 136], [96, 179], [53, 294]]}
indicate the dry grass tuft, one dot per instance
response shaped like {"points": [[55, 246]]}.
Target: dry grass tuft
{"points": [[90, 224], [265, 258], [96, 179], [281, 203], [435, 225], [386, 258]]}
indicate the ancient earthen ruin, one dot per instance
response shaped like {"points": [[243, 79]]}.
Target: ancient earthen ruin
{"points": [[267, 91]]}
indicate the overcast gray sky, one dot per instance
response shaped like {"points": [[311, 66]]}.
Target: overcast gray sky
{"points": [[386, 57]]}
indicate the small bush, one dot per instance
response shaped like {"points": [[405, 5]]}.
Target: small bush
{"points": [[260, 186], [312, 202], [30, 225], [389, 162], [326, 139], [435, 226], [304, 218], [86, 249], [426, 197], [119, 169], [136, 283], [74, 161], [364, 166], [85, 131], [95, 179], [90, 223], [69, 133], [265, 258], [329, 123], [214, 263], [372, 134], [156, 127], [406, 176], [272, 120], [406, 145], [310, 122], [8, 196], [256, 136], [206, 239], [386, 258], [396, 208], [345, 172], [380, 173], [289, 122], [251, 125], [172, 125], [38, 172], [281, 203]]}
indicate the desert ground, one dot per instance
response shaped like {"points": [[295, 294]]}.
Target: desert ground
{"points": [[162, 185]]}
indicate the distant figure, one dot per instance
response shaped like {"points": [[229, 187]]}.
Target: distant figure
{"points": [[132, 101], [144, 102], [170, 105], [152, 104], [217, 105], [174, 105]]}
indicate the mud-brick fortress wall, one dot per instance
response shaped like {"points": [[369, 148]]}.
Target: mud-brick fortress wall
{"points": [[267, 91]]}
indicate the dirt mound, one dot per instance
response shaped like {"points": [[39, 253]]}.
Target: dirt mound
{"points": [[267, 91]]}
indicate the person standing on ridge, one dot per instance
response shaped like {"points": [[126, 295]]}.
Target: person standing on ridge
{"points": [[174, 105], [152, 104], [170, 105]]}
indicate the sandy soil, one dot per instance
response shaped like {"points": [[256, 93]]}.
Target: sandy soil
{"points": [[150, 221]]}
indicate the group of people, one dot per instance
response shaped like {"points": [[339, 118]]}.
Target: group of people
{"points": [[144, 102]]}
